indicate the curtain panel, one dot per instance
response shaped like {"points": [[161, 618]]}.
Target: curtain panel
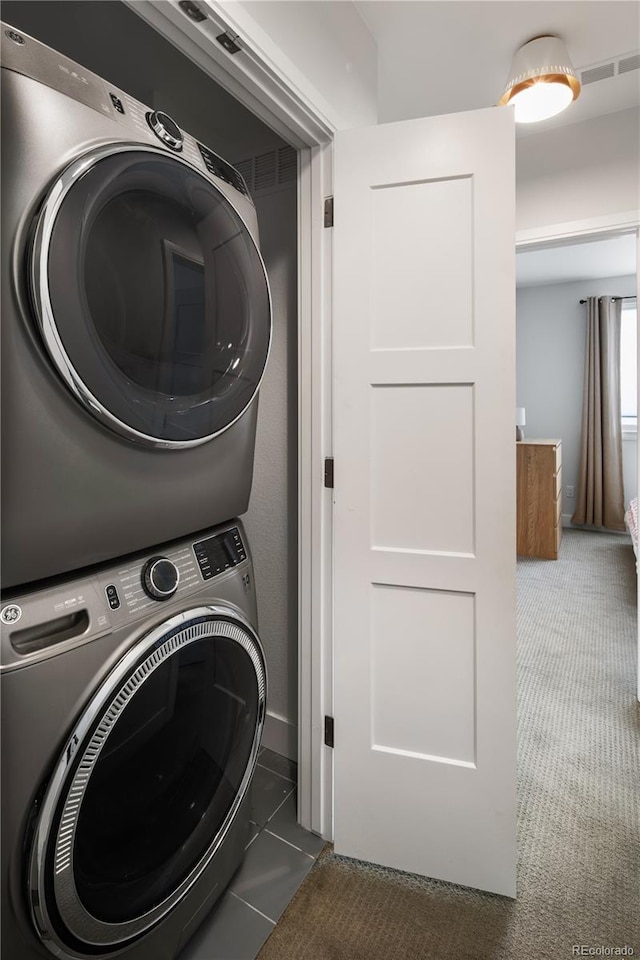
{"points": [[600, 500]]}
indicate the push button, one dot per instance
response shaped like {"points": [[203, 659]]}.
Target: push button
{"points": [[112, 596], [117, 102]]}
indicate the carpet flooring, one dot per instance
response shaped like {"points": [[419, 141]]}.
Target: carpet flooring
{"points": [[578, 785]]}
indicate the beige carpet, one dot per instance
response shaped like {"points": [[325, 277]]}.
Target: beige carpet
{"points": [[579, 781]]}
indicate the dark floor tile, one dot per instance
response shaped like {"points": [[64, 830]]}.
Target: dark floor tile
{"points": [[284, 825], [270, 874], [280, 765], [233, 931], [254, 830], [268, 790]]}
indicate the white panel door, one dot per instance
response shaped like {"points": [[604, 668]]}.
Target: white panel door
{"points": [[424, 633]]}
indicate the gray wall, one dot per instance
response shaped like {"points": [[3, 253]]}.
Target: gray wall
{"points": [[579, 171], [272, 520], [111, 40], [550, 349]]}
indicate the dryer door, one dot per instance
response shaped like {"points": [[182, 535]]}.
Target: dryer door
{"points": [[150, 781], [151, 296]]}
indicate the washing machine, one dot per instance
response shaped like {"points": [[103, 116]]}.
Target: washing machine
{"points": [[133, 701], [136, 322]]}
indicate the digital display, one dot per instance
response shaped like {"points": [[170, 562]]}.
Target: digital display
{"points": [[220, 553]]}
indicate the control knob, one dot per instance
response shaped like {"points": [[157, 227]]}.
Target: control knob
{"points": [[160, 578], [165, 129]]}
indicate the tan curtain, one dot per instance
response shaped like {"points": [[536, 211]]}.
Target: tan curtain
{"points": [[600, 501]]}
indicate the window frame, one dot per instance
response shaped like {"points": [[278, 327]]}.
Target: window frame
{"points": [[628, 423]]}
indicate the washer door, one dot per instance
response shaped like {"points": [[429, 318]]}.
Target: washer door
{"points": [[149, 782], [151, 296]]}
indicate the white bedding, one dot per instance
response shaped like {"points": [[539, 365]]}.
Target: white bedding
{"points": [[631, 519]]}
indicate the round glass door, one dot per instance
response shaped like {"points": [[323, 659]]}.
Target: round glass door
{"points": [[151, 296], [162, 759]]}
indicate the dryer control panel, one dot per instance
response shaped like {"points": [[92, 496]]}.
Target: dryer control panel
{"points": [[24, 54]]}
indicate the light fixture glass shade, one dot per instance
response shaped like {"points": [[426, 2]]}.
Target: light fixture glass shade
{"points": [[542, 81]]}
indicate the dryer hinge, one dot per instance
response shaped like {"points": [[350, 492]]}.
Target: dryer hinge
{"points": [[328, 211], [328, 731]]}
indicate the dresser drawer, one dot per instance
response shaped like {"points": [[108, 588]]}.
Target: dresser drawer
{"points": [[557, 484], [539, 498], [558, 449]]}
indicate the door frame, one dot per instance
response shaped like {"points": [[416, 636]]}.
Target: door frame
{"points": [[268, 85], [627, 221], [266, 82]]}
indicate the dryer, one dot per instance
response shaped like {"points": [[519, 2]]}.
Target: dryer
{"points": [[136, 322], [133, 701]]}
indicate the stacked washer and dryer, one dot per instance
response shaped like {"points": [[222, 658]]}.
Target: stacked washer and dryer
{"points": [[136, 323]]}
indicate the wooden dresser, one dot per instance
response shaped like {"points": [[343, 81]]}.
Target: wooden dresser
{"points": [[539, 498]]}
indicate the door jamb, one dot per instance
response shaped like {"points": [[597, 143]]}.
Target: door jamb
{"points": [[264, 81]]}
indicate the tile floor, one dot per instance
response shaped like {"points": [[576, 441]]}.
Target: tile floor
{"points": [[279, 856]]}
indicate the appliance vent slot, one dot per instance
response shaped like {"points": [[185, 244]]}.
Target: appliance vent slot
{"points": [[269, 170], [629, 63], [287, 164], [597, 73], [265, 171], [245, 169]]}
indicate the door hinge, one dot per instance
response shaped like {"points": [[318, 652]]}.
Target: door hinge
{"points": [[192, 11], [328, 212], [228, 41], [328, 731], [328, 472]]}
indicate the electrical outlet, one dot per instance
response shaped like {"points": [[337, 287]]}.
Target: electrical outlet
{"points": [[571, 491]]}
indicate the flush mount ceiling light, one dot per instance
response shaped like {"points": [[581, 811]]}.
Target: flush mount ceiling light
{"points": [[542, 81]]}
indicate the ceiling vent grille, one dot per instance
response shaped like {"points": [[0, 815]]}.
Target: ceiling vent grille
{"points": [[268, 171], [598, 73], [612, 68], [629, 63]]}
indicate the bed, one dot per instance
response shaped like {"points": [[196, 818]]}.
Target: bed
{"points": [[631, 520]]}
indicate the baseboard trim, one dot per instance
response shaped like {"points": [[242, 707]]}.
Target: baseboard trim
{"points": [[566, 522], [281, 736]]}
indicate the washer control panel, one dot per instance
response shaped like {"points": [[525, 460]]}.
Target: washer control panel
{"points": [[64, 615], [144, 582], [140, 585], [219, 553], [160, 578]]}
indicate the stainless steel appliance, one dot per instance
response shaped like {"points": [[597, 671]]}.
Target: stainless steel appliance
{"points": [[133, 701], [136, 322]]}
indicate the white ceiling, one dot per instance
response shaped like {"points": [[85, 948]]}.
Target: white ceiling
{"points": [[588, 260], [445, 56]]}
